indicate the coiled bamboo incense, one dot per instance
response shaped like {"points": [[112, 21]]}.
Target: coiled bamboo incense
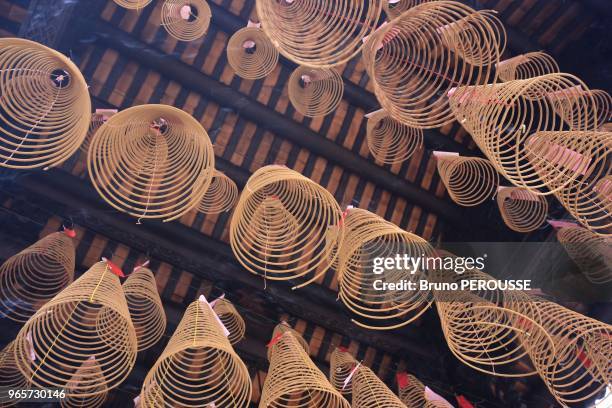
{"points": [[251, 54], [524, 66], [10, 376], [315, 91], [133, 4], [415, 59], [221, 195], [145, 306], [390, 141], [341, 364], [293, 379], [394, 8], [151, 161], [89, 318], [44, 104], [35, 275], [280, 224], [318, 33], [571, 103], [231, 319], [412, 394], [469, 181], [591, 252], [186, 20], [198, 367], [603, 104], [522, 210], [88, 371]]}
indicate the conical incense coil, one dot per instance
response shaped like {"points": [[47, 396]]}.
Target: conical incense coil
{"points": [[94, 396], [515, 111], [522, 210], [10, 376], [390, 141], [280, 224], [368, 237], [133, 4], [341, 364], [524, 66], [231, 319], [394, 8], [44, 103], [412, 393], [412, 61], [198, 367], [591, 252], [35, 275], [145, 306], [569, 104], [151, 161], [469, 181], [293, 379], [603, 104], [315, 91], [186, 20], [318, 33], [88, 318], [251, 54], [221, 196]]}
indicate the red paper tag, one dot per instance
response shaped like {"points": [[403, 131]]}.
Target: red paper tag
{"points": [[342, 349], [70, 232], [114, 268], [586, 362], [402, 380], [463, 402], [275, 339]]}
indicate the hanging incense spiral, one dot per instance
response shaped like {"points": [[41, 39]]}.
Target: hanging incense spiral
{"points": [[522, 210], [315, 92], [524, 66], [318, 33], [394, 8], [221, 196], [231, 319], [390, 141], [251, 54], [603, 104], [412, 392], [415, 59], [198, 367], [469, 181], [45, 106], [151, 161], [280, 225], [186, 20], [132, 4], [88, 319], [94, 396], [341, 364], [35, 275], [591, 252], [293, 379], [145, 306], [10, 376]]}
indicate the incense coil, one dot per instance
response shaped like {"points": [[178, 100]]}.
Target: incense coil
{"points": [[293, 379], [318, 33], [186, 20], [88, 318], [413, 393], [280, 224], [221, 195], [45, 106], [570, 105], [88, 371], [529, 65], [132, 4], [591, 252], [414, 92], [251, 54], [10, 376], [231, 319], [145, 306], [35, 275], [516, 110], [341, 364], [522, 210], [314, 91], [198, 367], [368, 236], [390, 141], [603, 104], [469, 181], [97, 120], [395, 9], [151, 161]]}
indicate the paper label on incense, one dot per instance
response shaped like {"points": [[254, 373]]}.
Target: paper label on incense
{"points": [[225, 331]]}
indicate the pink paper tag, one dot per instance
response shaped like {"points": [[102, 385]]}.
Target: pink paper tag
{"points": [[202, 299], [369, 115], [439, 154], [518, 59], [142, 265], [557, 224], [433, 397], [253, 24], [350, 376], [565, 93]]}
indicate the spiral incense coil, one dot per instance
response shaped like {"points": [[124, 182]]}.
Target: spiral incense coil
{"points": [[198, 367], [318, 33], [524, 66], [516, 110], [469, 181], [35, 275], [221, 196], [390, 141], [332, 238], [570, 103], [10, 376], [151, 161], [591, 252], [97, 120], [88, 318], [412, 394], [522, 210], [186, 20], [231, 319], [341, 364], [413, 61], [366, 237], [280, 224], [314, 91], [293, 379], [94, 396], [145, 306], [394, 8], [44, 104], [251, 54], [603, 104], [132, 4]]}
